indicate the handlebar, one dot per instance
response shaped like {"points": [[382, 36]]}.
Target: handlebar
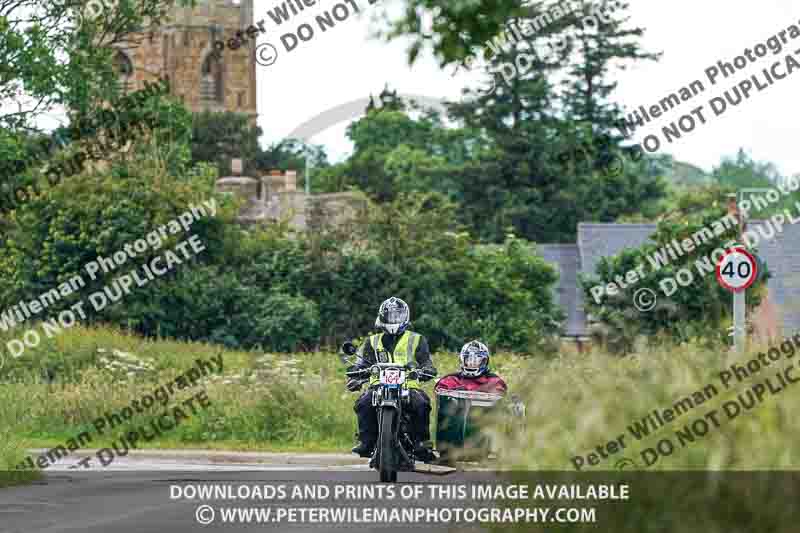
{"points": [[412, 368]]}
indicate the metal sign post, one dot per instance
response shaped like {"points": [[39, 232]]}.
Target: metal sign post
{"points": [[737, 270], [739, 320], [739, 298]]}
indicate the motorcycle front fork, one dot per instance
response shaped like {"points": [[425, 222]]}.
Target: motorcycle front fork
{"points": [[377, 396]]}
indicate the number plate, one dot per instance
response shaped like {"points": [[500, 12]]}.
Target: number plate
{"points": [[393, 377]]}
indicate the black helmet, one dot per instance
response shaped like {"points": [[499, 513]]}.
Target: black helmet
{"points": [[394, 316], [474, 358]]}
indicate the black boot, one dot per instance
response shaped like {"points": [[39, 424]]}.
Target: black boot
{"points": [[364, 449], [423, 452]]}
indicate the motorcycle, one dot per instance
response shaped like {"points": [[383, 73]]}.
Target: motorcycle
{"points": [[394, 451]]}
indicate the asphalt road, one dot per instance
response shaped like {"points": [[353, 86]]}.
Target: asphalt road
{"points": [[137, 493]]}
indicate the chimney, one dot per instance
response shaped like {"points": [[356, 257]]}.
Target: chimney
{"points": [[291, 180], [236, 167], [733, 210]]}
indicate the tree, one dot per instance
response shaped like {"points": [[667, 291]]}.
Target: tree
{"points": [[600, 43], [519, 178], [741, 171], [53, 56], [415, 248], [700, 309], [291, 154], [36, 38], [395, 152], [451, 29], [219, 137]]}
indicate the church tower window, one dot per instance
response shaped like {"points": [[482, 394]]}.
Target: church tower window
{"points": [[211, 90], [124, 69]]}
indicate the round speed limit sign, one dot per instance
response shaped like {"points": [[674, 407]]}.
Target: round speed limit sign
{"points": [[737, 270]]}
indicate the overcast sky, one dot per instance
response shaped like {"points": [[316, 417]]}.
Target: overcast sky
{"points": [[344, 64]]}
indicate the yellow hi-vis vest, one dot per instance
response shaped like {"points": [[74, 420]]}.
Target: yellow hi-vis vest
{"points": [[404, 352]]}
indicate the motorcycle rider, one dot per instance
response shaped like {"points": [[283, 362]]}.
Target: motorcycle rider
{"points": [[399, 345], [474, 374]]}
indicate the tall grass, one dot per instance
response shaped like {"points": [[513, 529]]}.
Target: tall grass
{"points": [[575, 402], [263, 401]]}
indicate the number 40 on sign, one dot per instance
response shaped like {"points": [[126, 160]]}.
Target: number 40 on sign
{"points": [[737, 270]]}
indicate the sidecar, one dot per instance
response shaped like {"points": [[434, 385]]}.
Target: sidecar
{"points": [[464, 423]]}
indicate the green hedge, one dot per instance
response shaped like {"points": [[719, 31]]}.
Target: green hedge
{"points": [[268, 286]]}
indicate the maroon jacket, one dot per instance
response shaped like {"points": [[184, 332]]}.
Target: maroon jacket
{"points": [[486, 383]]}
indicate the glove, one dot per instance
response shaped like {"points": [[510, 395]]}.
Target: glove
{"points": [[357, 372], [426, 373], [356, 377], [354, 384]]}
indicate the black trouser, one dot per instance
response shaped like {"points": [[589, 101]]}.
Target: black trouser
{"points": [[418, 409]]}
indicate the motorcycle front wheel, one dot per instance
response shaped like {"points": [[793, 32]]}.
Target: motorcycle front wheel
{"points": [[386, 463]]}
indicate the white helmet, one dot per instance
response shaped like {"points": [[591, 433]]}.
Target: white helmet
{"points": [[474, 359], [393, 316]]}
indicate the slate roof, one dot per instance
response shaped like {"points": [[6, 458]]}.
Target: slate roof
{"points": [[596, 241], [566, 258], [782, 255]]}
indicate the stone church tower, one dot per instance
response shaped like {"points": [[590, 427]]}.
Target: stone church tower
{"points": [[181, 50]]}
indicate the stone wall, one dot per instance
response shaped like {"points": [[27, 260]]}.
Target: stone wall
{"points": [[335, 209], [275, 197], [178, 49]]}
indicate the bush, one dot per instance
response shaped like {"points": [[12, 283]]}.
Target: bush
{"points": [[52, 237], [457, 290], [288, 323], [701, 309], [265, 286]]}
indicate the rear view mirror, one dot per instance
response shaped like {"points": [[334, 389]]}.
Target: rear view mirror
{"points": [[348, 348]]}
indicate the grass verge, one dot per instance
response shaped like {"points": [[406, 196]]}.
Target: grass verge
{"points": [[286, 402]]}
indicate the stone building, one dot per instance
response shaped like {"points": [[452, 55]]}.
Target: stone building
{"points": [[181, 50], [275, 197]]}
